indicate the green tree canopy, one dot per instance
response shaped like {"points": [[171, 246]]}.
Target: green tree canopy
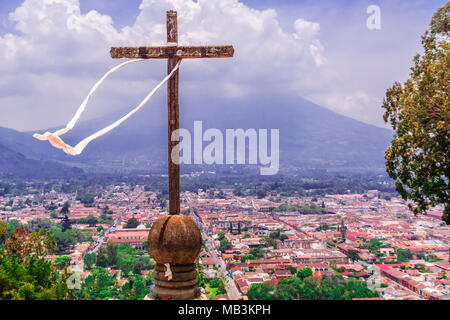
{"points": [[304, 273], [331, 287], [135, 289], [99, 285], [132, 223], [353, 254], [65, 208], [261, 291], [111, 254], [25, 273], [419, 112], [3, 232], [225, 245], [89, 260], [91, 220], [62, 261]]}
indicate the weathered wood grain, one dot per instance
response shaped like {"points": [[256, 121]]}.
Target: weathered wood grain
{"points": [[173, 117], [165, 52]]}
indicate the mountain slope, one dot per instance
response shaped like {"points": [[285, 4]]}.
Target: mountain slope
{"points": [[14, 164], [310, 135]]}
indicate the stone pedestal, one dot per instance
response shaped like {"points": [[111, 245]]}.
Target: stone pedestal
{"points": [[175, 239], [183, 284]]}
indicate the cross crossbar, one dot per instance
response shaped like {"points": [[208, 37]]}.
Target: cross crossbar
{"points": [[173, 53], [167, 51]]}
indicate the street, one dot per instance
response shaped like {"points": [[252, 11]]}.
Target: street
{"points": [[99, 242], [232, 291]]}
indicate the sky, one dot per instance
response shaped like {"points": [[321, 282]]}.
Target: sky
{"points": [[53, 51]]}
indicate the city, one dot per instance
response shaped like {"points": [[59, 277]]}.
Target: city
{"points": [[249, 240], [136, 165]]}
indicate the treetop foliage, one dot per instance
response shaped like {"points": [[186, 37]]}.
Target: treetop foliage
{"points": [[419, 112]]}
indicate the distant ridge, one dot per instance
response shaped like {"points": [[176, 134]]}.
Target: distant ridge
{"points": [[16, 165], [310, 136]]}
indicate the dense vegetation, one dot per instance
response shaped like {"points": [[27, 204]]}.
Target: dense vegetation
{"points": [[25, 273], [64, 240], [100, 285], [306, 287], [123, 256], [307, 183], [304, 209], [213, 286]]}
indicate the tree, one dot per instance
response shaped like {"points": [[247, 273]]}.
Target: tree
{"points": [[91, 221], [238, 192], [225, 245], [65, 223], [332, 287], [132, 223], [111, 254], [54, 215], [62, 261], [275, 234], [13, 225], [3, 232], [291, 269], [135, 289], [65, 208], [38, 224], [221, 236], [285, 291], [106, 210], [258, 252], [126, 265], [89, 260], [51, 206], [404, 255], [101, 258], [65, 240], [25, 273], [353, 254], [261, 194], [419, 112], [260, 291], [248, 257], [140, 263], [99, 285], [214, 282], [304, 273], [145, 245], [87, 199], [125, 256]]}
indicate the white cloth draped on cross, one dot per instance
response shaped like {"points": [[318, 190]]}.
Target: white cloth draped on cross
{"points": [[57, 142]]}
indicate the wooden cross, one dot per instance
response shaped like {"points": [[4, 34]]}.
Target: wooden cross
{"points": [[173, 53]]}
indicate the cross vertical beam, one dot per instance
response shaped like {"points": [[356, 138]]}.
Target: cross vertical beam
{"points": [[174, 239], [173, 115]]}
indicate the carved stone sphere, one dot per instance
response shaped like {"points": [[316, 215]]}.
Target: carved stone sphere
{"points": [[174, 239]]}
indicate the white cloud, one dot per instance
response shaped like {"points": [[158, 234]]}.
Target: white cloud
{"points": [[357, 104], [60, 53]]}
